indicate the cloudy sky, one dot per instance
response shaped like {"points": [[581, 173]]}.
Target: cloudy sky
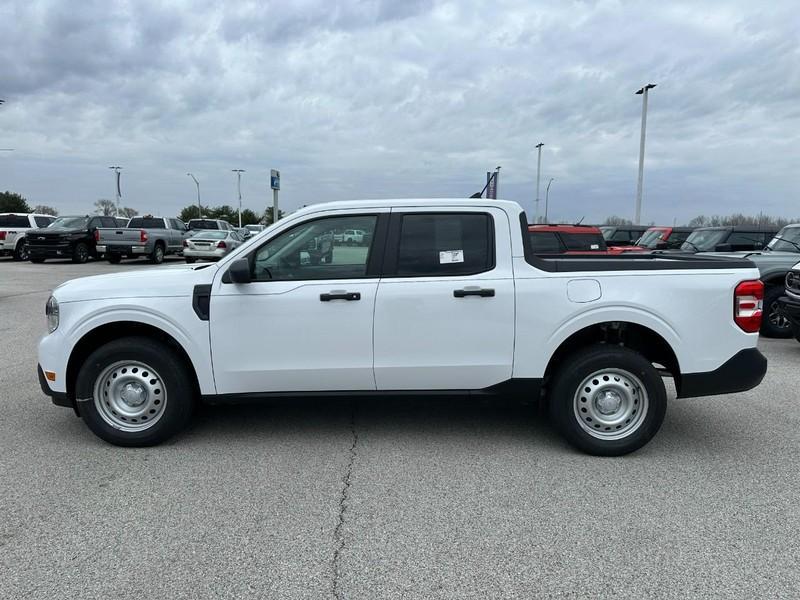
{"points": [[398, 98]]}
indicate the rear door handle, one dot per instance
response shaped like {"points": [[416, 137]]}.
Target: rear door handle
{"points": [[482, 292], [340, 295]]}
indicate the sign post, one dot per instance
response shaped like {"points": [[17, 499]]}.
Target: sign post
{"points": [[275, 184]]}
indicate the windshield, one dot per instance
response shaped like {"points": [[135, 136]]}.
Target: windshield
{"points": [[785, 240], [202, 224], [71, 222], [651, 238], [704, 240], [210, 235]]}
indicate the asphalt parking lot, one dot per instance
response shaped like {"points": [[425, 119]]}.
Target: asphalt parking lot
{"points": [[430, 498]]}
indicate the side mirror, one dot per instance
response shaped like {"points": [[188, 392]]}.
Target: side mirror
{"points": [[723, 248], [662, 246], [238, 272]]}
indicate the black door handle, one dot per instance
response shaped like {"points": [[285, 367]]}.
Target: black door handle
{"points": [[349, 296], [482, 292]]}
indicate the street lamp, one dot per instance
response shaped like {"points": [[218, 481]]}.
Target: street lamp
{"points": [[199, 209], [643, 91], [239, 188], [116, 170], [547, 198], [538, 174]]}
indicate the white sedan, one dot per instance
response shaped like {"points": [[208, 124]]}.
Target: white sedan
{"points": [[210, 244]]}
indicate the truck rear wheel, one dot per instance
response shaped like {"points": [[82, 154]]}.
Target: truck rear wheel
{"points": [[157, 256], [774, 324], [114, 259], [21, 251], [134, 391], [607, 400], [80, 254]]}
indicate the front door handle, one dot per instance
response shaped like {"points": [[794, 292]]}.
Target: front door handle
{"points": [[340, 295], [482, 292]]}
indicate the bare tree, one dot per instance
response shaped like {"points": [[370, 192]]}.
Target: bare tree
{"points": [[43, 209], [105, 207]]}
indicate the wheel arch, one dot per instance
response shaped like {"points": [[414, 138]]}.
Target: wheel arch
{"points": [[635, 336], [107, 332]]}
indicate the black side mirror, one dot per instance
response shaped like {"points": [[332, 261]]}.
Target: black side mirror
{"points": [[723, 248], [238, 272], [662, 246]]}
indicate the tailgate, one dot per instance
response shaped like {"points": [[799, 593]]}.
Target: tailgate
{"points": [[110, 237]]}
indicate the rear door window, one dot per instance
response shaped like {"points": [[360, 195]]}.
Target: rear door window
{"points": [[14, 221], [441, 244]]}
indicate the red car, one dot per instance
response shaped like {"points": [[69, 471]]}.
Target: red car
{"points": [[657, 238], [567, 239]]}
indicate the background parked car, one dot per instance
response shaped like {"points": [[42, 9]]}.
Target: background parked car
{"points": [[210, 245], [622, 235], [254, 229], [153, 237], [67, 237], [657, 238], [13, 227], [566, 239]]}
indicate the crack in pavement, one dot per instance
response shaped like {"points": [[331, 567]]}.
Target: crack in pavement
{"points": [[338, 536]]}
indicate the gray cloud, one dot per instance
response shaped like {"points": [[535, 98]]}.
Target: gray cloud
{"points": [[366, 99]]}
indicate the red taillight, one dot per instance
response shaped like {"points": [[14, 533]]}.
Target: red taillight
{"points": [[748, 305], [142, 236], [2, 235], [185, 244], [96, 235], [222, 245]]}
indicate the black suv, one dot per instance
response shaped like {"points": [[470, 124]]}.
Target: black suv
{"points": [[68, 237], [728, 239]]}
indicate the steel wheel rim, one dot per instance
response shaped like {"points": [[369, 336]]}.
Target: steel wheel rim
{"points": [[776, 317], [611, 404], [130, 396]]}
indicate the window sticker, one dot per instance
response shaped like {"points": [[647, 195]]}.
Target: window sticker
{"points": [[447, 257]]}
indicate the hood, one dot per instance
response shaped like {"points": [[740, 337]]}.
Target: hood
{"points": [[178, 280], [54, 231]]}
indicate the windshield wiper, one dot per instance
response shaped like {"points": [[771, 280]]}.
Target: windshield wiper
{"points": [[783, 239], [693, 245]]}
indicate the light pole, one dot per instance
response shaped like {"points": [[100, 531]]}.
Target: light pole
{"points": [[199, 209], [547, 198], [117, 170], [239, 188], [643, 91], [538, 174]]}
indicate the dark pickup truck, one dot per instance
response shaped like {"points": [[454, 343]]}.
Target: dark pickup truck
{"points": [[68, 237]]}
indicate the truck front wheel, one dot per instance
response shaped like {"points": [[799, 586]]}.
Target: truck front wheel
{"points": [[607, 400], [774, 324], [134, 391]]}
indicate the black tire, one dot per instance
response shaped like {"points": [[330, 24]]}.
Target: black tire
{"points": [[773, 324], [179, 389], [21, 251], [37, 259], [565, 402], [80, 253], [114, 259], [191, 261], [157, 256]]}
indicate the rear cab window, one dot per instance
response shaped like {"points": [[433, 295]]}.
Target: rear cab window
{"points": [[146, 223], [545, 242], [14, 221]]}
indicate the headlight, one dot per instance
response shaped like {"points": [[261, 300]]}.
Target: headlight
{"points": [[51, 310]]}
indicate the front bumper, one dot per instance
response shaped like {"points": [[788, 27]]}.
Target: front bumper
{"points": [[58, 398], [50, 251], [740, 373]]}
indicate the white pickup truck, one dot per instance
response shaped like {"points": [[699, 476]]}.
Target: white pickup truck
{"points": [[446, 298], [14, 226]]}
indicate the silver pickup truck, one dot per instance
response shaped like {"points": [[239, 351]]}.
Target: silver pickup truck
{"points": [[152, 237]]}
